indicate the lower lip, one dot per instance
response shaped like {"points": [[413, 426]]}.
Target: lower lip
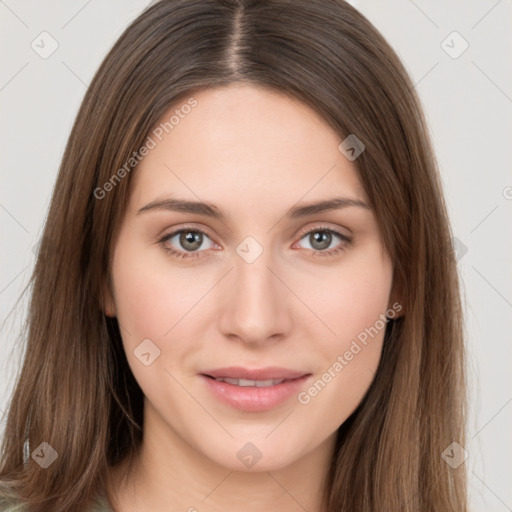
{"points": [[254, 399]]}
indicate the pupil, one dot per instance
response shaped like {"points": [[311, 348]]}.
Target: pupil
{"points": [[323, 238], [191, 237]]}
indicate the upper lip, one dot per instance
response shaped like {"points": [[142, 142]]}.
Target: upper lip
{"points": [[268, 373]]}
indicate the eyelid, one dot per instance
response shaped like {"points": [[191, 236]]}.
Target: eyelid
{"points": [[186, 228], [313, 229]]}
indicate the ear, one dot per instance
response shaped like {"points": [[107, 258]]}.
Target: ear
{"points": [[108, 305]]}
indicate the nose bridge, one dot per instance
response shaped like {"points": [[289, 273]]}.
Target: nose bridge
{"points": [[255, 307]]}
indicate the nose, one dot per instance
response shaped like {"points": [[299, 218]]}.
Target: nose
{"points": [[255, 305]]}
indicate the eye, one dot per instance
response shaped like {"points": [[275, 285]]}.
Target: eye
{"points": [[186, 242], [321, 241], [191, 242]]}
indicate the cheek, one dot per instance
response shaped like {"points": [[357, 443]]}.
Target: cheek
{"points": [[351, 304], [151, 295], [359, 305], [148, 304], [349, 299], [350, 356]]}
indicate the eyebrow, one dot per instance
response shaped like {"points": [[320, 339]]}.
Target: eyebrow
{"points": [[211, 210]]}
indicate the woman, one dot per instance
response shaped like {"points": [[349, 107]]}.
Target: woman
{"points": [[246, 293]]}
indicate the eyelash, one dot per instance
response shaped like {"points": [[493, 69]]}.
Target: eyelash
{"points": [[196, 254]]}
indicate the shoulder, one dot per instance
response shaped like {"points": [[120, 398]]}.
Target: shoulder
{"points": [[100, 504], [10, 505]]}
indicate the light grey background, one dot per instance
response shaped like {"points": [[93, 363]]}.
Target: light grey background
{"points": [[468, 103]]}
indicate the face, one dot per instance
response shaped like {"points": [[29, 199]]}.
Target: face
{"points": [[252, 280]]}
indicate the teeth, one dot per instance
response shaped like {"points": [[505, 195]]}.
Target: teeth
{"points": [[254, 383]]}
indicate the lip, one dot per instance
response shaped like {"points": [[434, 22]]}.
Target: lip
{"points": [[267, 373], [251, 398]]}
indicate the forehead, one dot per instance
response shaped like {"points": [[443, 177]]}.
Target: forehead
{"points": [[244, 145]]}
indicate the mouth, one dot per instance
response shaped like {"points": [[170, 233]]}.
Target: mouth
{"points": [[254, 390], [268, 373], [250, 383]]}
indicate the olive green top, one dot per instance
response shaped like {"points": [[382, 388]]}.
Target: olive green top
{"points": [[100, 505]]}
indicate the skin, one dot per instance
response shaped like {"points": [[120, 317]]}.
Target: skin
{"points": [[255, 154]]}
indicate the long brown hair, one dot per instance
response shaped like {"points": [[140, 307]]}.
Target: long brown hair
{"points": [[75, 390]]}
